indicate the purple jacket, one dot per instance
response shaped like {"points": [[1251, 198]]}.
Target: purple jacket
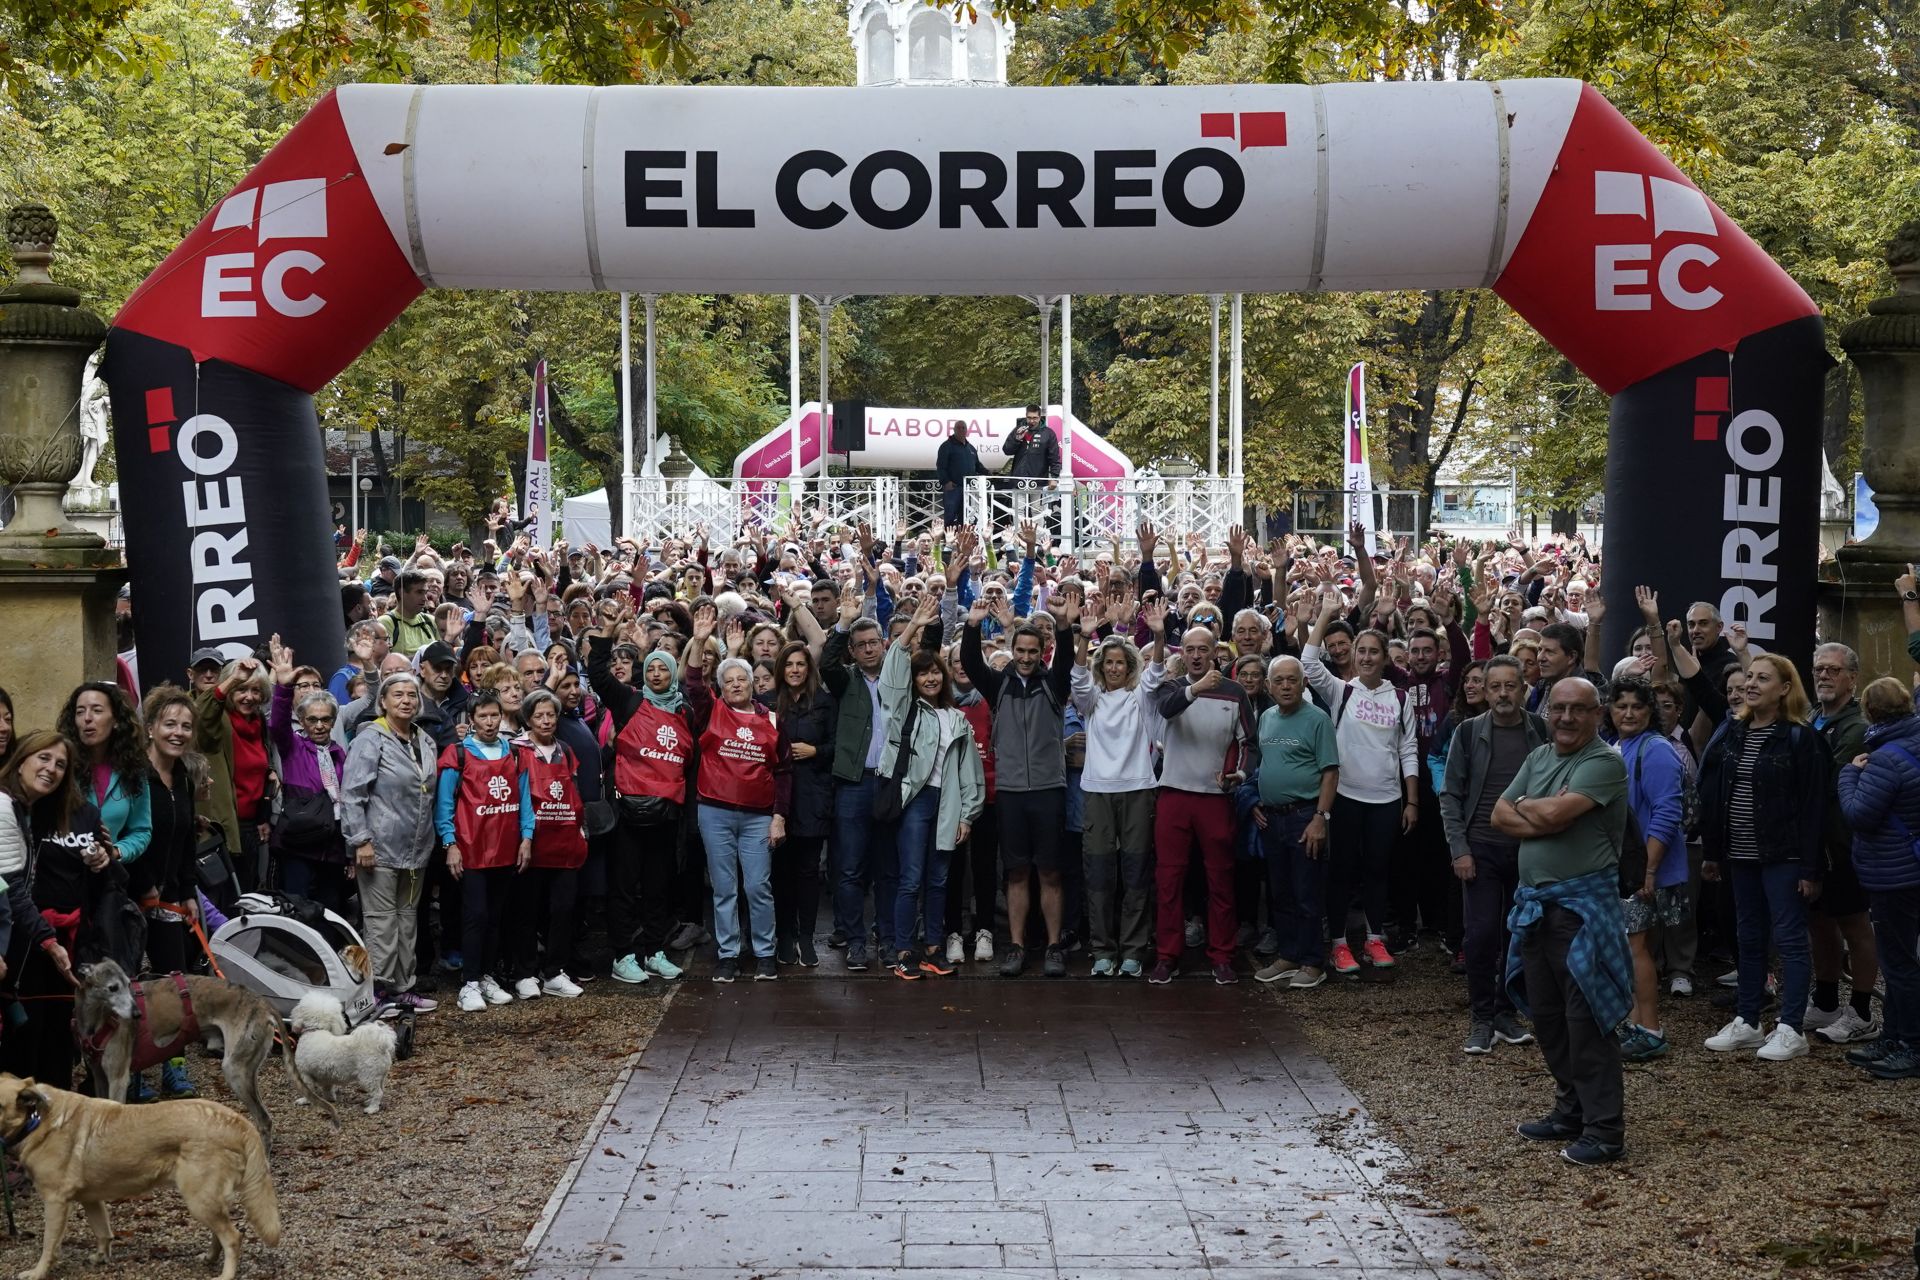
{"points": [[299, 754]]}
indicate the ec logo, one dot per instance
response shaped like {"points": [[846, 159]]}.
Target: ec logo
{"points": [[1677, 209], [295, 210]]}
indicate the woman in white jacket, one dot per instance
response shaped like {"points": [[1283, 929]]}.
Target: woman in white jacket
{"points": [[1379, 795], [1115, 698]]}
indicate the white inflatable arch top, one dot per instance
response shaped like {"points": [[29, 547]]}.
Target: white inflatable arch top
{"points": [[1537, 189]]}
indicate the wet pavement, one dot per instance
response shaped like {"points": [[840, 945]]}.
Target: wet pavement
{"points": [[833, 1127]]}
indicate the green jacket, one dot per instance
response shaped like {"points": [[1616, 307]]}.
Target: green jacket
{"points": [[962, 781], [854, 730]]}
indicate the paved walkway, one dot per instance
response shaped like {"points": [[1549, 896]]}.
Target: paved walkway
{"points": [[831, 1127]]}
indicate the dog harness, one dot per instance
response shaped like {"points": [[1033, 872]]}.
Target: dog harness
{"points": [[145, 1052]]}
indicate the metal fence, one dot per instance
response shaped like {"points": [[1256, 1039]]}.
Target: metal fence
{"points": [[1322, 513]]}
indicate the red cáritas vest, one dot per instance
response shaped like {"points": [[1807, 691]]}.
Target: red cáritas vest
{"points": [[558, 840], [737, 755], [486, 808], [650, 754]]}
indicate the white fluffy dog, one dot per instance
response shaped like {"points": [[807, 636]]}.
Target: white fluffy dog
{"points": [[328, 1058]]}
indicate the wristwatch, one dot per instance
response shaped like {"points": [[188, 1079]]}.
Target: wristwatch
{"points": [[1910, 595], [1325, 815]]}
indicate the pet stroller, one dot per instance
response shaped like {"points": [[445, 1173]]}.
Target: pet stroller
{"points": [[285, 948]]}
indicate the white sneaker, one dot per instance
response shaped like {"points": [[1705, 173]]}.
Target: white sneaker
{"points": [[471, 1001], [983, 946], [1731, 978], [1783, 1044], [563, 986], [1681, 985], [527, 989], [1738, 1034], [956, 949], [1814, 1019], [1849, 1028], [493, 991]]}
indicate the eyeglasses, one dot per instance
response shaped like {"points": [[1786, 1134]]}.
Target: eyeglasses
{"points": [[316, 720], [1827, 669]]}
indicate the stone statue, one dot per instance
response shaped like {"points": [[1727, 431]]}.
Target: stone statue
{"points": [[94, 425]]}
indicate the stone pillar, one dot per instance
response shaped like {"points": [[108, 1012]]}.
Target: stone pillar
{"points": [[59, 581], [1857, 603]]}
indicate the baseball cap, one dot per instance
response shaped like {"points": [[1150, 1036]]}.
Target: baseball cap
{"points": [[438, 652], [201, 657], [392, 562]]}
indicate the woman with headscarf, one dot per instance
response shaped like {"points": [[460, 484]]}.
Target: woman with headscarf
{"points": [[386, 815], [744, 785], [652, 751]]}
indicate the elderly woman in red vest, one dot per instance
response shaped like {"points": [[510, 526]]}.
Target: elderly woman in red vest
{"points": [[746, 786], [652, 752], [559, 851]]}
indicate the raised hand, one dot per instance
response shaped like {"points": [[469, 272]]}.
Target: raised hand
{"points": [[1003, 614], [1236, 543], [1156, 615], [978, 613], [1149, 538], [705, 619], [1029, 536], [613, 612], [865, 533], [736, 635], [1737, 636], [282, 660]]}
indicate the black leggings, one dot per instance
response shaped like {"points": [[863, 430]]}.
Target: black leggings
{"points": [[796, 887], [981, 857], [640, 883], [543, 902], [1363, 836], [485, 904]]}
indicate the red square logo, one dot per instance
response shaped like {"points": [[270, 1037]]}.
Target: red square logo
{"points": [[160, 405], [1263, 129], [1710, 395], [1216, 124], [159, 439]]}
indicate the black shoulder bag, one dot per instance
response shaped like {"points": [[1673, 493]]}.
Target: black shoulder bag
{"points": [[887, 802]]}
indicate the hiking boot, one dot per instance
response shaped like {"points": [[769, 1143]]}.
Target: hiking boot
{"points": [[1014, 962], [174, 1082], [1901, 1064], [1340, 955], [1056, 961], [625, 969], [1868, 1054], [1479, 1040], [1586, 1151], [1508, 1029]]}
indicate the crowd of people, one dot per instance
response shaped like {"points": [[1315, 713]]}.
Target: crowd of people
{"points": [[543, 767]]}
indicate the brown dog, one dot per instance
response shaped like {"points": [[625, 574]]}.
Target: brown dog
{"points": [[114, 1036], [89, 1151]]}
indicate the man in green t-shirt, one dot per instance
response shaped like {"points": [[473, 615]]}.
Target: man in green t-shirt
{"points": [[1568, 808], [1299, 773]]}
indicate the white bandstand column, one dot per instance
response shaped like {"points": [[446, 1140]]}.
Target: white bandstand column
{"points": [[627, 522]]}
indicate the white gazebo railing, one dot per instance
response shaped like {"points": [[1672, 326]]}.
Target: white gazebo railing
{"points": [[679, 506], [1104, 509], [840, 500]]}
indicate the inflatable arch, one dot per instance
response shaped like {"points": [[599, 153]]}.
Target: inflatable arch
{"points": [[1536, 188]]}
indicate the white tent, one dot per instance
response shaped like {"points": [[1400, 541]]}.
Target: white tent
{"points": [[585, 519]]}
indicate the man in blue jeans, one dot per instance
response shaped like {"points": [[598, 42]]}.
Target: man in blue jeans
{"points": [[1299, 774], [863, 851]]}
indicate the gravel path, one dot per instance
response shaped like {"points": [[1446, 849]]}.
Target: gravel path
{"points": [[1735, 1168], [444, 1182]]}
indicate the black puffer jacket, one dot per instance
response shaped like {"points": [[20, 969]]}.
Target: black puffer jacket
{"points": [[813, 779]]}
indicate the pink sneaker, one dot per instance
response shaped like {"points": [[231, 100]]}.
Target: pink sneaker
{"points": [[1340, 956], [1377, 954]]}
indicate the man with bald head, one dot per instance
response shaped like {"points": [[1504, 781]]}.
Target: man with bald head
{"points": [[1299, 774], [1568, 964], [1210, 748]]}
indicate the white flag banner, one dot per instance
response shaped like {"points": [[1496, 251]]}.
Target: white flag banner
{"points": [[538, 504], [1359, 472]]}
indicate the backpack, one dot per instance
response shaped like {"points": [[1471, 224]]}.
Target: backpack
{"points": [[1689, 788], [1346, 696]]}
